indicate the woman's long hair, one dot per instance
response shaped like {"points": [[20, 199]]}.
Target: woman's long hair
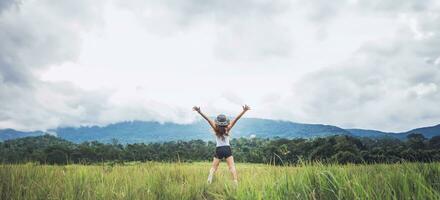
{"points": [[221, 131]]}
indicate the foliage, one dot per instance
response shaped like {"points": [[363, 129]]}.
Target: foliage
{"points": [[332, 149]]}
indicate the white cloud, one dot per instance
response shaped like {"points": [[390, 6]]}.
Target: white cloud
{"points": [[387, 84], [246, 29], [35, 35], [371, 64]]}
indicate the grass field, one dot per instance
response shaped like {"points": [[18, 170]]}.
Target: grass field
{"points": [[188, 181]]}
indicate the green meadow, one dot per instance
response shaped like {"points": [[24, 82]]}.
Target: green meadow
{"points": [[188, 181]]}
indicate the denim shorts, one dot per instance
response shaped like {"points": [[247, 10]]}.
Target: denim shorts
{"points": [[223, 152]]}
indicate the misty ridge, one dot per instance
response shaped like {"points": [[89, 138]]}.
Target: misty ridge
{"points": [[152, 131]]}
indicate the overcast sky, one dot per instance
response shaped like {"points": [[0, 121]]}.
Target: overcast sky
{"points": [[371, 64]]}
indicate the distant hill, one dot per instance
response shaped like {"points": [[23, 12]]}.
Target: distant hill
{"points": [[375, 134], [38, 142], [8, 134], [147, 131], [151, 131], [428, 132]]}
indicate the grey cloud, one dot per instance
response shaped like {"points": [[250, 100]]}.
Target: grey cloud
{"points": [[6, 4], [254, 40], [38, 34], [378, 97], [393, 6], [386, 84], [34, 36], [186, 12], [47, 105], [246, 29], [322, 10]]}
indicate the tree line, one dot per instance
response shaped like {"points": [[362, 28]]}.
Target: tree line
{"points": [[49, 149]]}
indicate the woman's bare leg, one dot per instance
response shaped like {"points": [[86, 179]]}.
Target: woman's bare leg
{"points": [[215, 163], [231, 165]]}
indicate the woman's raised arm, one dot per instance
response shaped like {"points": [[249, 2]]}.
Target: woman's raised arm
{"points": [[245, 108], [211, 123]]}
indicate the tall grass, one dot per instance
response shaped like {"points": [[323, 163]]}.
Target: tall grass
{"points": [[188, 181]]}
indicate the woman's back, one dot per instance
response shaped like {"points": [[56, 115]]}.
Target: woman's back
{"points": [[222, 141]]}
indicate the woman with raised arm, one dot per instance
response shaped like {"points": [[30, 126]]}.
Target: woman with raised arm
{"points": [[222, 129]]}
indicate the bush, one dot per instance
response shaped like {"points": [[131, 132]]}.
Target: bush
{"points": [[344, 157]]}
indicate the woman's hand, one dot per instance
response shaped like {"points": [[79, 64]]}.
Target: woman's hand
{"points": [[246, 108], [211, 123], [195, 108]]}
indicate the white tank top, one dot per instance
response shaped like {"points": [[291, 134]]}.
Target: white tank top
{"points": [[221, 142]]}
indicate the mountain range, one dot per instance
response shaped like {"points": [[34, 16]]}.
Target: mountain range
{"points": [[152, 131]]}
